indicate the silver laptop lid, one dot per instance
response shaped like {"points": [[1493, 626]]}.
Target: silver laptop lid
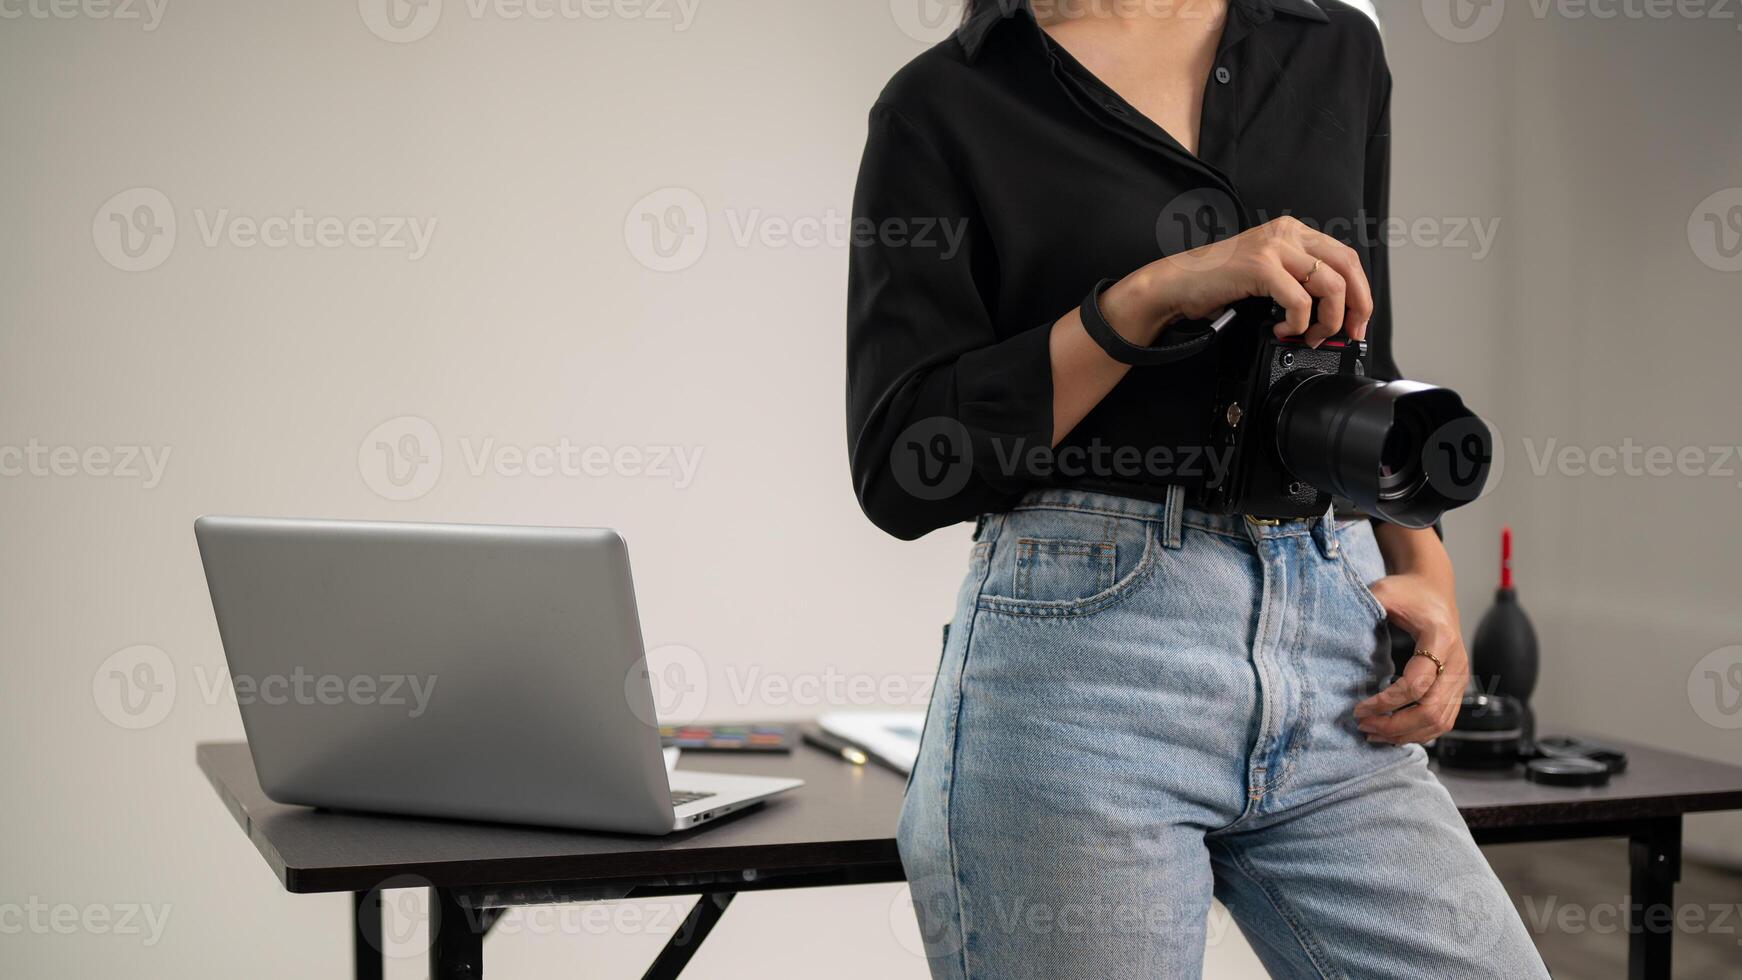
{"points": [[452, 670]]}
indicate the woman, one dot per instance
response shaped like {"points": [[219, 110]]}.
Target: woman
{"points": [[1140, 704]]}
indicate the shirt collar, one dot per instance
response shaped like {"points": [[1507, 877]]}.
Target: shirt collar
{"points": [[988, 14], [1304, 9]]}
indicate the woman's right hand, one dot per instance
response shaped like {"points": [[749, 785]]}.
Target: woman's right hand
{"points": [[1283, 259], [1269, 260]]}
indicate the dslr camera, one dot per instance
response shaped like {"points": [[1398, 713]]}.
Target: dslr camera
{"points": [[1305, 426]]}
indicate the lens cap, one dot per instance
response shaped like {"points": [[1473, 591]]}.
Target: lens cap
{"points": [[1563, 746], [1567, 771]]}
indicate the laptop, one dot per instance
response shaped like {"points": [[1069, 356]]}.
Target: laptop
{"points": [[450, 670]]}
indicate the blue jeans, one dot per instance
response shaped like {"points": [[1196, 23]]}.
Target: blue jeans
{"points": [[1142, 705]]}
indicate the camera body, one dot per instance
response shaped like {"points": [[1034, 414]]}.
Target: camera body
{"points": [[1254, 374], [1304, 426]]}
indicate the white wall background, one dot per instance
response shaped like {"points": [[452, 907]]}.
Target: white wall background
{"points": [[1604, 139], [1622, 141], [529, 145]]}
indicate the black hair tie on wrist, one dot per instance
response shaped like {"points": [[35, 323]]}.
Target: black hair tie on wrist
{"points": [[1126, 352]]}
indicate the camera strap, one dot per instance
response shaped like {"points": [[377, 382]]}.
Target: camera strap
{"points": [[1197, 336]]}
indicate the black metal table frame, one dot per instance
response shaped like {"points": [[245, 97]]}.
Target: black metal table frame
{"points": [[462, 917]]}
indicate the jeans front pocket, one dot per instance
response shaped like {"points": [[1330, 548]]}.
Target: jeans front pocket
{"points": [[1053, 569], [1063, 562], [1362, 563]]}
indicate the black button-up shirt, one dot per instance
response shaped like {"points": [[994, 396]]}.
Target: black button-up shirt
{"points": [[1001, 180]]}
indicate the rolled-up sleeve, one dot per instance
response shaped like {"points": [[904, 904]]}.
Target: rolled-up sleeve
{"points": [[942, 413]]}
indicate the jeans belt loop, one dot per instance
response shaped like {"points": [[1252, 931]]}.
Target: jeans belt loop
{"points": [[1325, 534], [1173, 517]]}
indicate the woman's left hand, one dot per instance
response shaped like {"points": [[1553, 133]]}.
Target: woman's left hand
{"points": [[1422, 704]]}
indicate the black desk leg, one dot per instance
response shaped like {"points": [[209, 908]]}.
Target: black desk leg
{"points": [[456, 950], [1655, 855], [696, 926], [366, 958]]}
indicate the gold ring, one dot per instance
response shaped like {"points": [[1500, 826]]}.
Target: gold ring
{"points": [[1439, 665], [1315, 268]]}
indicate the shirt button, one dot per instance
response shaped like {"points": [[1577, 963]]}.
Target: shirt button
{"points": [[1223, 74]]}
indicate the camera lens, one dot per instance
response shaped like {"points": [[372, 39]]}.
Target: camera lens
{"points": [[1400, 450], [1400, 458]]}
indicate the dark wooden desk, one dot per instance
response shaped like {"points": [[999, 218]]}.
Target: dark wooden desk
{"points": [[839, 829]]}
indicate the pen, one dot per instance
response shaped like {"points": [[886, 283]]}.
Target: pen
{"points": [[829, 743]]}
